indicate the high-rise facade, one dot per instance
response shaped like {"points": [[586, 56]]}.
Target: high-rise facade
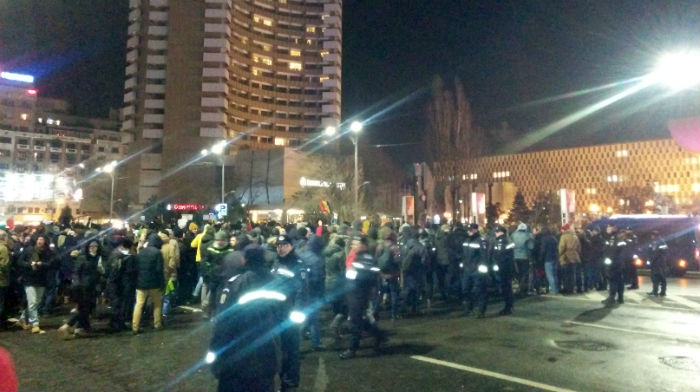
{"points": [[259, 73]]}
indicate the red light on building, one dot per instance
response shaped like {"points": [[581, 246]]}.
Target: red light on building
{"points": [[187, 207], [32, 91]]}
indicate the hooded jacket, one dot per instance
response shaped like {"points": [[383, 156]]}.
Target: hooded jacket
{"points": [[149, 265], [569, 247], [524, 243]]}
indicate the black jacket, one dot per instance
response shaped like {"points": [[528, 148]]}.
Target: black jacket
{"points": [[246, 333], [149, 265], [474, 252], [502, 256], [36, 276], [85, 271]]}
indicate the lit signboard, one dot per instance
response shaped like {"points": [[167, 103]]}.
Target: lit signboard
{"points": [[15, 77], [188, 207], [306, 182]]}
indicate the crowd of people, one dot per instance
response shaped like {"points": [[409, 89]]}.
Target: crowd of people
{"points": [[263, 286]]}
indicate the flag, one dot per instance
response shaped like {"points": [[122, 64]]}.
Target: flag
{"points": [[325, 207]]}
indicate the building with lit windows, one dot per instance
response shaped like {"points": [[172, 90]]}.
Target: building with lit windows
{"points": [[17, 102], [265, 73], [596, 174]]}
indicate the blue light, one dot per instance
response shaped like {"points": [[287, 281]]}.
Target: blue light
{"points": [[17, 77]]}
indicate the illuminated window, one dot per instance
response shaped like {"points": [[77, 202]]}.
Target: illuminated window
{"points": [[267, 22], [309, 42], [283, 1], [294, 52], [322, 78], [24, 116], [267, 61], [613, 178], [255, 71], [256, 19], [591, 191], [324, 53], [501, 174], [622, 153], [295, 66], [696, 187], [310, 29], [266, 48], [279, 141], [256, 59]]}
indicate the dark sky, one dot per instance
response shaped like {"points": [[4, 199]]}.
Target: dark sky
{"points": [[508, 53]]}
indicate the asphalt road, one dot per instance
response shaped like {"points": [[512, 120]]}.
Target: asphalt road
{"points": [[550, 343]]}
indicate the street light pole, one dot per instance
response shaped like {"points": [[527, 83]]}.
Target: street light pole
{"points": [[357, 174], [111, 197], [223, 178]]}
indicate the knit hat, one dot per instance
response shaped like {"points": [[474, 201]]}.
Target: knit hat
{"points": [[522, 227], [221, 235], [193, 226], [566, 227]]}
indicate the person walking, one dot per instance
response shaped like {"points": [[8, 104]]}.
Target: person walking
{"points": [[84, 291], [657, 253], [149, 282]]}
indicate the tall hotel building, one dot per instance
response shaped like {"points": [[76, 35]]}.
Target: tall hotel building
{"points": [[265, 72]]}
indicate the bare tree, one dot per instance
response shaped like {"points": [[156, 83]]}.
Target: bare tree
{"points": [[453, 141]]}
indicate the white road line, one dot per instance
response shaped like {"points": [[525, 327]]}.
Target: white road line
{"points": [[489, 373], [191, 309], [321, 382], [628, 303], [683, 301], [657, 334]]}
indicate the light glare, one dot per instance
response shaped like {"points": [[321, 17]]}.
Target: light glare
{"points": [[678, 70]]}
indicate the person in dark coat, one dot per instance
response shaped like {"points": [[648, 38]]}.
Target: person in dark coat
{"points": [[502, 263], [312, 258], [121, 283], [83, 290], [548, 255], [149, 282], [250, 313], [35, 263], [657, 253]]}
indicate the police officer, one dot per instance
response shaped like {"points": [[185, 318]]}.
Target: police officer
{"points": [[425, 239], [616, 253], [475, 271], [292, 275], [250, 312], [502, 263], [657, 254], [630, 269], [361, 285]]}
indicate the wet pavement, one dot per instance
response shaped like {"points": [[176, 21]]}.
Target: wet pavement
{"points": [[554, 343]]}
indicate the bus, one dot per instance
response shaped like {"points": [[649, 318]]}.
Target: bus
{"points": [[681, 233]]}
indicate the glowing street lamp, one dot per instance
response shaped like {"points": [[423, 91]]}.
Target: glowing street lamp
{"points": [[109, 169], [218, 149], [678, 70]]}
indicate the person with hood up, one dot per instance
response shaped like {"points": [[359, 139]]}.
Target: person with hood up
{"points": [[312, 258], [171, 264], [524, 244], [86, 275], [213, 271], [569, 258], [149, 282]]}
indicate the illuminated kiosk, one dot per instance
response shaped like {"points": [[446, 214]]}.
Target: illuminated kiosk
{"points": [[30, 199]]}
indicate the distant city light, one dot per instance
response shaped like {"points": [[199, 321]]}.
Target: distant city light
{"points": [[17, 77]]}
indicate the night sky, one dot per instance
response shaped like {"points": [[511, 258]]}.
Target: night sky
{"points": [[509, 54]]}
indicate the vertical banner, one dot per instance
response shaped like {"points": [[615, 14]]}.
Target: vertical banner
{"points": [[407, 209], [477, 206], [568, 204]]}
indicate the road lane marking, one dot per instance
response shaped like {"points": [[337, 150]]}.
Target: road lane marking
{"points": [[683, 301], [657, 334], [321, 382], [488, 373], [191, 309]]}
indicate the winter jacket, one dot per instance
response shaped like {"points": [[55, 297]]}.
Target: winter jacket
{"points": [[312, 258], [4, 264], [149, 265], [85, 271], [36, 276], [524, 243], [213, 264], [171, 257], [334, 256], [569, 248], [549, 251]]}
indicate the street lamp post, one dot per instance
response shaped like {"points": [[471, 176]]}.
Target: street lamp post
{"points": [[218, 149], [109, 169], [355, 128]]}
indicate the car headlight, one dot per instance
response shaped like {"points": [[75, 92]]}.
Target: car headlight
{"points": [[297, 317], [483, 269], [607, 261]]}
